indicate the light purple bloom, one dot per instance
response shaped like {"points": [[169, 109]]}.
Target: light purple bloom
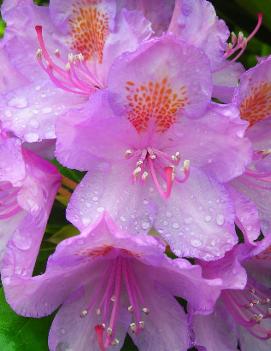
{"points": [[107, 283], [28, 185], [243, 312], [138, 140], [75, 54], [252, 190]]}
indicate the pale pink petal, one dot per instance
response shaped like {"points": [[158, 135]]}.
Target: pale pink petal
{"points": [[165, 327], [30, 112], [110, 188], [163, 65], [226, 81], [247, 216], [197, 220], [216, 331], [197, 23]]}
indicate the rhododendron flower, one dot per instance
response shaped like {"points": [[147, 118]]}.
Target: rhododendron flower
{"points": [[252, 190], [196, 22], [28, 185], [138, 140], [243, 312], [111, 283], [78, 42]]}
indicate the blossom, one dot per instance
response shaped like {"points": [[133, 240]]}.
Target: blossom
{"points": [[77, 41], [28, 185], [138, 139], [111, 283], [251, 190], [196, 22], [243, 312]]}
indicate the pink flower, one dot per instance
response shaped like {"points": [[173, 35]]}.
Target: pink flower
{"points": [[150, 162], [111, 283], [196, 22], [78, 42], [243, 312], [252, 190], [28, 185]]}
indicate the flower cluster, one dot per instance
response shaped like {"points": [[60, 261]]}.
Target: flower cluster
{"points": [[147, 98]]}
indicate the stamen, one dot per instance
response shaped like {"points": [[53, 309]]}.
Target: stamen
{"points": [[240, 42], [133, 327], [145, 310], [75, 77], [115, 342], [84, 313]]}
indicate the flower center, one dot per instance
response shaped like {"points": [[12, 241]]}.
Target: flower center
{"points": [[8, 200], [161, 167], [73, 76], [106, 302], [250, 307]]}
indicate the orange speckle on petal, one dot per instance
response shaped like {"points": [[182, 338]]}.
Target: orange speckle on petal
{"points": [[257, 106], [154, 101], [89, 28]]}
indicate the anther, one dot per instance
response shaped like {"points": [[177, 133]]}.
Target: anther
{"points": [[115, 342], [186, 165], [68, 66], [131, 308], [103, 325], [145, 310], [258, 317], [137, 171], [39, 54], [98, 311], [145, 175], [133, 327], [141, 324], [84, 313], [109, 331], [139, 163]]}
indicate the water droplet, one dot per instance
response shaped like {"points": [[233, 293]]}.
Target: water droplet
{"points": [[62, 331], [21, 242], [196, 243], [31, 137], [145, 202], [47, 110], [100, 209], [220, 219], [95, 198], [19, 102], [145, 225], [175, 225], [123, 219], [208, 219], [168, 214]]}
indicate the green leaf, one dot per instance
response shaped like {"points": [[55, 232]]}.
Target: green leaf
{"points": [[22, 334], [65, 232]]}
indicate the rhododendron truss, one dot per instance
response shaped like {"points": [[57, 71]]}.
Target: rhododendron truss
{"points": [[135, 177]]}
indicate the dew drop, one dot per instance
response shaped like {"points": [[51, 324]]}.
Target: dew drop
{"points": [[19, 102], [175, 225], [100, 209], [145, 225], [196, 243], [208, 219], [21, 242], [31, 137], [220, 219]]}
